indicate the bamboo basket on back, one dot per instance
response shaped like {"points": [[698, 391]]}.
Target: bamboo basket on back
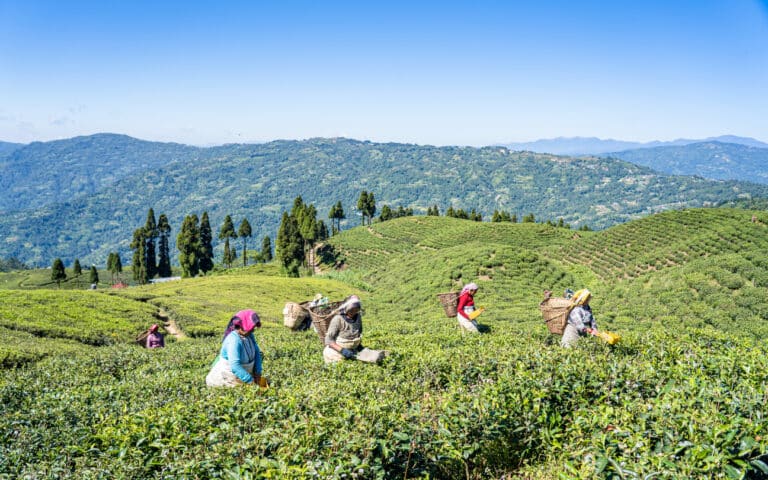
{"points": [[555, 311], [449, 301], [321, 317]]}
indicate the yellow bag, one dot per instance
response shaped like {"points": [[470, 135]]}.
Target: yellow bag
{"points": [[475, 313], [609, 337]]}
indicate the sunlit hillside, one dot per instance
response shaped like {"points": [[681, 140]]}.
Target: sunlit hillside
{"points": [[680, 396]]}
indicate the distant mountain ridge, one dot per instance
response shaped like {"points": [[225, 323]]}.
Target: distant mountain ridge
{"points": [[259, 182], [46, 173], [715, 160], [8, 147], [597, 146]]}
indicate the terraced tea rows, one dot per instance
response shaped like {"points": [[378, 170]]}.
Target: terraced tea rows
{"points": [[681, 396], [661, 241]]}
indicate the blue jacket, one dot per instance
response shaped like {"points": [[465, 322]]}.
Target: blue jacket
{"points": [[239, 351]]}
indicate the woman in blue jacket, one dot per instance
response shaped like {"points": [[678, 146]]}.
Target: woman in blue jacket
{"points": [[239, 361]]}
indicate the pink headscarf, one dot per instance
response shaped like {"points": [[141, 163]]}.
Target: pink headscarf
{"points": [[468, 287], [153, 328], [247, 320]]}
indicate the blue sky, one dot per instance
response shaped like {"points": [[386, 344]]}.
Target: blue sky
{"points": [[440, 73]]}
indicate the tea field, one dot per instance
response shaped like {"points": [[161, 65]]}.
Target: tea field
{"points": [[681, 396]]}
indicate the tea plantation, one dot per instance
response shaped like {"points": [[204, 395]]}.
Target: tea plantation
{"points": [[681, 396]]}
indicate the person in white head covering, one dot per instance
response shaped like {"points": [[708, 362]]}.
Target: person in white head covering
{"points": [[344, 335], [466, 306]]}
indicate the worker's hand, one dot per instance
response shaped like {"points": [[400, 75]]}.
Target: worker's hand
{"points": [[592, 331], [348, 354]]}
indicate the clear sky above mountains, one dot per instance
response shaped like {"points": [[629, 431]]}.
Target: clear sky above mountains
{"points": [[443, 73]]}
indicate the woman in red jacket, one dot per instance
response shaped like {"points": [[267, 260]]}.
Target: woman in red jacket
{"points": [[466, 306]]}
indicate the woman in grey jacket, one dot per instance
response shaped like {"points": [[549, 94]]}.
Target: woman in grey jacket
{"points": [[580, 319]]}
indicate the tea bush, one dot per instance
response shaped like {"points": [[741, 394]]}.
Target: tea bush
{"points": [[681, 396]]}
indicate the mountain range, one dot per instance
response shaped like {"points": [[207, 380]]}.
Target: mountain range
{"points": [[715, 160], [597, 146], [83, 197]]}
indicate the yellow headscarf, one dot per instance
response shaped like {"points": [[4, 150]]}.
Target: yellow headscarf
{"points": [[581, 297]]}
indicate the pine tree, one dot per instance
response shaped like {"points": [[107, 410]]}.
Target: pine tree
{"points": [[94, 276], [111, 266], [362, 205], [206, 245], [386, 213], [227, 258], [114, 265], [244, 232], [227, 231], [57, 272], [188, 243], [336, 215], [139, 245], [266, 249], [289, 249], [164, 248], [371, 207], [118, 266], [322, 231], [307, 221], [150, 236], [77, 270]]}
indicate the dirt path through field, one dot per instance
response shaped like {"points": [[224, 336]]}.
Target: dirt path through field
{"points": [[170, 324], [313, 259]]}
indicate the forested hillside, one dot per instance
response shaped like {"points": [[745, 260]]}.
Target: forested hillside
{"points": [[48, 173], [257, 182], [715, 160], [8, 147]]}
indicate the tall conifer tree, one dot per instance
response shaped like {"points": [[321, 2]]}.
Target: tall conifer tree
{"points": [[266, 249], [111, 266], [227, 231], [362, 205], [244, 232], [150, 236], [289, 249], [58, 273], [77, 270], [188, 243], [206, 245], [139, 246], [164, 249]]}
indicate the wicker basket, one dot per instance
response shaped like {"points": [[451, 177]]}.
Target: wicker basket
{"points": [[321, 317], [555, 311], [449, 301], [295, 314], [141, 339]]}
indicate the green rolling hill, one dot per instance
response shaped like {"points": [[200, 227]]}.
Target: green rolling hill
{"points": [[681, 396]]}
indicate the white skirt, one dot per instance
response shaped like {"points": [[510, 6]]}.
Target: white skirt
{"points": [[221, 374]]}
